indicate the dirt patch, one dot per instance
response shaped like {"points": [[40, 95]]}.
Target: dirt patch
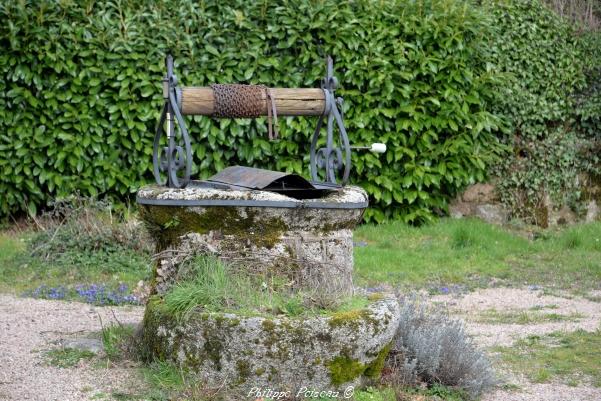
{"points": [[29, 327]]}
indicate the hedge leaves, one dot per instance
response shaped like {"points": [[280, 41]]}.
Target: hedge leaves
{"points": [[80, 92]]}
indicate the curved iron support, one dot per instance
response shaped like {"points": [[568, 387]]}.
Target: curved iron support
{"points": [[331, 160], [172, 158]]}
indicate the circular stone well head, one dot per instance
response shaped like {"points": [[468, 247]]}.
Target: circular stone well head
{"points": [[325, 352], [307, 240]]}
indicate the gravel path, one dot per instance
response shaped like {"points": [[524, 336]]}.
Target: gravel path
{"points": [[28, 327]]}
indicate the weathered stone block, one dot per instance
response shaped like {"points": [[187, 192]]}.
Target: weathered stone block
{"points": [[480, 193], [323, 352], [495, 214]]}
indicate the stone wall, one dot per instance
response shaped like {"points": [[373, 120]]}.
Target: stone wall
{"points": [[482, 200]]}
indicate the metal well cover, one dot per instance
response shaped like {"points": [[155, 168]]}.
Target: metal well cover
{"points": [[240, 177]]}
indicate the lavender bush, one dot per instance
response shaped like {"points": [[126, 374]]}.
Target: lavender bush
{"points": [[431, 347]]}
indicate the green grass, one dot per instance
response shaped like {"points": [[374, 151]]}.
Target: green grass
{"points": [[471, 252], [66, 357], [90, 247], [165, 375], [435, 392], [568, 357], [216, 287], [117, 339], [543, 307], [493, 316], [21, 271]]}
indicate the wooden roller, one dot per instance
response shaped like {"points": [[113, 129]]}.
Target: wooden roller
{"points": [[200, 100]]}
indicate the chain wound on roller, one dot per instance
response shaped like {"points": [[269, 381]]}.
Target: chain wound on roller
{"points": [[172, 162], [330, 154], [331, 164]]}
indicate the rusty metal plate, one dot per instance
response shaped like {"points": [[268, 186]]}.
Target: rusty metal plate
{"points": [[249, 178]]}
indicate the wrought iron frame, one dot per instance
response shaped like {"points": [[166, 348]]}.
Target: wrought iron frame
{"points": [[175, 159]]}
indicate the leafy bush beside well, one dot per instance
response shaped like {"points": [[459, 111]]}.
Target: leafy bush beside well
{"points": [[80, 92]]}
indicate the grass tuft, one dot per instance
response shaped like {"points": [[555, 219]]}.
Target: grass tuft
{"points": [[572, 240], [118, 341], [165, 375], [214, 286], [66, 357], [461, 237]]}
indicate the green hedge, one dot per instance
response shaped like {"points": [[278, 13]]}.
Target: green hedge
{"points": [[549, 104], [588, 103], [80, 94]]}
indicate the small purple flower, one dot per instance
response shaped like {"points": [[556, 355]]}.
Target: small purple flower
{"points": [[444, 290], [97, 294]]}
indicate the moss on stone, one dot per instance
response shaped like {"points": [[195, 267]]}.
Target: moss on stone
{"points": [[353, 318], [344, 369], [221, 319], [328, 227], [374, 369], [151, 346], [244, 371], [268, 325], [251, 227], [376, 296], [213, 347]]}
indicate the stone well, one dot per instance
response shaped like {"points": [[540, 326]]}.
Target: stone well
{"points": [[307, 240], [311, 237]]}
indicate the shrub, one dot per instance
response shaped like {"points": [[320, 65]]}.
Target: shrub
{"points": [[547, 105], [83, 231], [84, 251], [432, 348], [80, 92], [588, 103]]}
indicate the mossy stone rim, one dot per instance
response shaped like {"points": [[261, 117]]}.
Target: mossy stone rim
{"points": [[349, 197]]}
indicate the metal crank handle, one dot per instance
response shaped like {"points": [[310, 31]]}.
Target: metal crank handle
{"points": [[375, 148]]}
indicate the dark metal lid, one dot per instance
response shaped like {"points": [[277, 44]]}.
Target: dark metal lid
{"points": [[250, 178]]}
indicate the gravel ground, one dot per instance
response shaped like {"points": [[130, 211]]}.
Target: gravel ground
{"points": [[470, 307], [28, 327], [546, 392]]}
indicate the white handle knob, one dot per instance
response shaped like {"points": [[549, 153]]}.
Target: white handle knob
{"points": [[378, 147]]}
